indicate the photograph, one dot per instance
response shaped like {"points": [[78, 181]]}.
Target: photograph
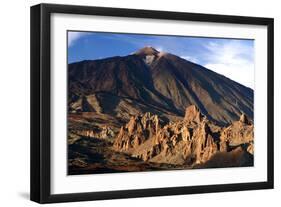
{"points": [[133, 103], [150, 102]]}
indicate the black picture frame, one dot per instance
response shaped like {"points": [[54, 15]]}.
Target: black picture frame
{"points": [[41, 95]]}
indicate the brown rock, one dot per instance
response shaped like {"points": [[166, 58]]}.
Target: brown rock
{"points": [[104, 132], [239, 132], [244, 119], [203, 143], [147, 51], [136, 132], [193, 141], [250, 148], [192, 114]]}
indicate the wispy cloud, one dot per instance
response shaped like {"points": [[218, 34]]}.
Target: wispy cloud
{"points": [[190, 58], [74, 36], [233, 59]]}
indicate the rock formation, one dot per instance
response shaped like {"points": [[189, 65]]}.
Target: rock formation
{"points": [[192, 141], [238, 133], [136, 131], [192, 114], [103, 133]]}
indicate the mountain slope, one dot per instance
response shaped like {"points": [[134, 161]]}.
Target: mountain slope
{"points": [[158, 82]]}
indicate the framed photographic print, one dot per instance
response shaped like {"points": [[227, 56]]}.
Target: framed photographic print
{"points": [[133, 103]]}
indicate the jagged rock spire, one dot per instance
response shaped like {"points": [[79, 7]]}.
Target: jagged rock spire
{"points": [[136, 131], [193, 114], [244, 119]]}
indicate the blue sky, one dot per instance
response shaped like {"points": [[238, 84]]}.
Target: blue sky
{"points": [[230, 57]]}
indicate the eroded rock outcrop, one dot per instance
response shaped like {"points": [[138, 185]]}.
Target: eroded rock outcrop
{"points": [[238, 133], [192, 141], [102, 133], [136, 131], [192, 114]]}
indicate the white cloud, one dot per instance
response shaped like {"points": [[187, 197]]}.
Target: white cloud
{"points": [[159, 48], [233, 59], [73, 36], [189, 58]]}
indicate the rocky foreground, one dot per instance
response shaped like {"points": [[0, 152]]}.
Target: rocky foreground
{"points": [[148, 143]]}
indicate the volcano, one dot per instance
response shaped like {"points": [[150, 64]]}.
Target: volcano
{"points": [[158, 82]]}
